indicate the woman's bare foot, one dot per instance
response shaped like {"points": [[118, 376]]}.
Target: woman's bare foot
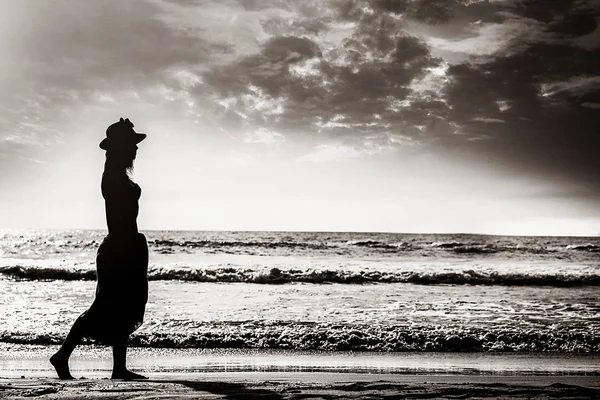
{"points": [[127, 375], [61, 365]]}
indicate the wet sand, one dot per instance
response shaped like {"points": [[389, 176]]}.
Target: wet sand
{"points": [[248, 374], [271, 385]]}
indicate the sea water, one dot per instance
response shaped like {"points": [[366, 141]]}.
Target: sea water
{"points": [[345, 292]]}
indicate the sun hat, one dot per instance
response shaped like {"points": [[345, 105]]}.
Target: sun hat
{"points": [[121, 133]]}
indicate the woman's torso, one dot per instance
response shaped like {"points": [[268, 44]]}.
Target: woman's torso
{"points": [[121, 197]]}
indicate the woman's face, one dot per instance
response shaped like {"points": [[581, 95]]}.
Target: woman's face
{"points": [[129, 151], [126, 153]]}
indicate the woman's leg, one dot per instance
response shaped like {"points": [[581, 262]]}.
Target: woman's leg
{"points": [[60, 360], [120, 370]]}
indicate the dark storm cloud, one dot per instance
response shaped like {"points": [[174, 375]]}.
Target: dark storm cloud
{"points": [[539, 92], [359, 89], [527, 103], [345, 91], [353, 89], [530, 104], [268, 70]]}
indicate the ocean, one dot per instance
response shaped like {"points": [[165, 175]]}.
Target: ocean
{"points": [[326, 291]]}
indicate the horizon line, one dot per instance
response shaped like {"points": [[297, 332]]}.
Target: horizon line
{"points": [[310, 231]]}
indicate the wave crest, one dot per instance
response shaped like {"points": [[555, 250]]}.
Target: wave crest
{"points": [[325, 276], [375, 244], [215, 244], [48, 274], [339, 337], [584, 247]]}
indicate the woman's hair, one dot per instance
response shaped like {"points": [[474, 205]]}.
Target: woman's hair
{"points": [[119, 161]]}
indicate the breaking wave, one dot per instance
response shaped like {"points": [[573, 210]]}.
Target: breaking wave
{"points": [[192, 244], [376, 244], [48, 274], [584, 247], [339, 337], [314, 276]]}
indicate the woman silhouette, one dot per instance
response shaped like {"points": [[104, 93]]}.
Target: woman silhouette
{"points": [[121, 262]]}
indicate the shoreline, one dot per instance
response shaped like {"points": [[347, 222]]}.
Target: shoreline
{"points": [[17, 360]]}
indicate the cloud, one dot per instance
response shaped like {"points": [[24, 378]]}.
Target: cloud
{"points": [[489, 120], [577, 85], [363, 74], [590, 41], [510, 81], [484, 39], [242, 66], [313, 81]]}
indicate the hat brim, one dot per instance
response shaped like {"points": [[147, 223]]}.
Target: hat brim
{"points": [[132, 139]]}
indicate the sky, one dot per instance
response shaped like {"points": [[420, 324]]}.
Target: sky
{"points": [[316, 115]]}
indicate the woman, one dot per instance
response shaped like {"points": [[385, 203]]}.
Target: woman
{"points": [[121, 262]]}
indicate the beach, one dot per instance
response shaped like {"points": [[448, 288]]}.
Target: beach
{"points": [[245, 375]]}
